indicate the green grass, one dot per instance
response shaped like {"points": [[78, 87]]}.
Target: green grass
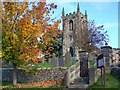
{"points": [[8, 83], [5, 83], [70, 63], [111, 82], [49, 64], [0, 53], [45, 64], [91, 64]]}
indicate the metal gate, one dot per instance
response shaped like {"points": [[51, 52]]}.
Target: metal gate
{"points": [[84, 72]]}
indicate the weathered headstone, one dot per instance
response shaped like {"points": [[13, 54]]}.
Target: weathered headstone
{"points": [[67, 58], [61, 61], [54, 61]]}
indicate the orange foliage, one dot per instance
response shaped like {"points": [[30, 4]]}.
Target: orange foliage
{"points": [[21, 27], [45, 83]]}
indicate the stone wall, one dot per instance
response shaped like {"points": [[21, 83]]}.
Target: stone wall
{"points": [[115, 70], [74, 31], [73, 73], [42, 74], [115, 55]]}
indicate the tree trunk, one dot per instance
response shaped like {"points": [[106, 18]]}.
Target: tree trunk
{"points": [[14, 74]]}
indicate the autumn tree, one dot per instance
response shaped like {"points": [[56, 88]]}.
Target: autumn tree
{"points": [[54, 47], [22, 23]]}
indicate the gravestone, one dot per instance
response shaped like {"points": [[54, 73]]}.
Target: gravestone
{"points": [[61, 61], [54, 61], [67, 58]]}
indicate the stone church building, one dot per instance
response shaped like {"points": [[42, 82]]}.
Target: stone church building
{"points": [[75, 32]]}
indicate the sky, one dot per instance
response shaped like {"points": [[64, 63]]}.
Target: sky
{"points": [[104, 13]]}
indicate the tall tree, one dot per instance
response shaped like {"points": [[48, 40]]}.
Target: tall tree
{"points": [[97, 35], [93, 39], [22, 23], [54, 47]]}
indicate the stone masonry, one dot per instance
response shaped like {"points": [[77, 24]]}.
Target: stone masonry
{"points": [[74, 30]]}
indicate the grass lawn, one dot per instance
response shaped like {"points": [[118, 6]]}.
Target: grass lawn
{"points": [[8, 83], [5, 83], [70, 63], [0, 53], [49, 64], [45, 64], [111, 82]]}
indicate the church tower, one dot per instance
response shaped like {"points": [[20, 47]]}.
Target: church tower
{"points": [[74, 26]]}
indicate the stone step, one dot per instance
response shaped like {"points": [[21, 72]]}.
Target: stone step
{"points": [[78, 83], [81, 80], [82, 86]]}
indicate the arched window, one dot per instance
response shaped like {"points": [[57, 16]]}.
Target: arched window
{"points": [[83, 25], [71, 51], [71, 38], [71, 25]]}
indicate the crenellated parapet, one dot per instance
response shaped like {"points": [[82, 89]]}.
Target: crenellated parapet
{"points": [[75, 14]]}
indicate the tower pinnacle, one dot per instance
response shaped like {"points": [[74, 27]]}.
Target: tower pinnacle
{"points": [[63, 12], [85, 13], [78, 8]]}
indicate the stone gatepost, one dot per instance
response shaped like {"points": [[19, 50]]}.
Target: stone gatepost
{"points": [[107, 52]]}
